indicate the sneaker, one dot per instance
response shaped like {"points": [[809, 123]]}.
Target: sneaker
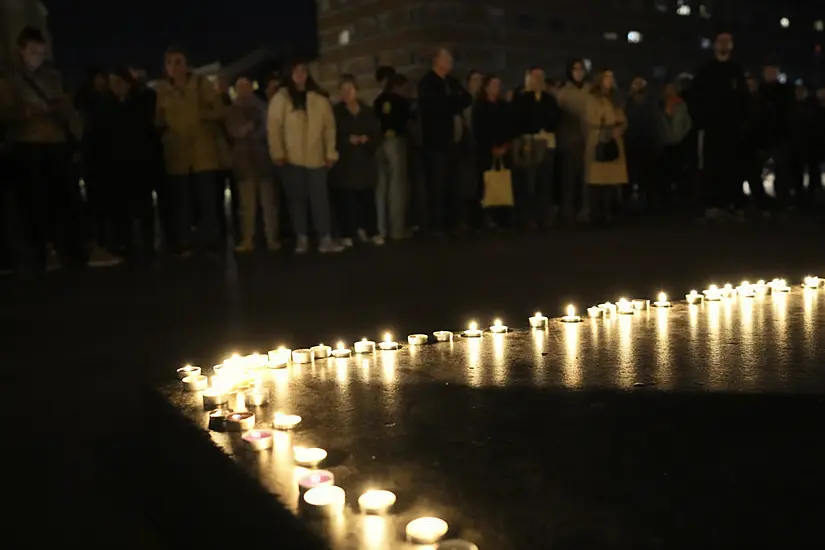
{"points": [[328, 246], [302, 244], [347, 243], [362, 236], [102, 258], [244, 247], [378, 240]]}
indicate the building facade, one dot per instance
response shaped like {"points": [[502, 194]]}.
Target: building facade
{"points": [[14, 15], [657, 39]]}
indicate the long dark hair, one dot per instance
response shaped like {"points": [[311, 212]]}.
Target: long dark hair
{"points": [[481, 94], [298, 98]]}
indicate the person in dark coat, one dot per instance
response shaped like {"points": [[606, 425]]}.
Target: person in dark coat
{"points": [[720, 106], [805, 155], [354, 177], [642, 142]]}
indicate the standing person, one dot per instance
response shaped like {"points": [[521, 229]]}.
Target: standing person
{"points": [[191, 114], [440, 99], [572, 98], [720, 104], [674, 126], [463, 164], [804, 137], [252, 167], [273, 84], [227, 174], [642, 142], [301, 130], [536, 119], [604, 171], [354, 177], [393, 112]]}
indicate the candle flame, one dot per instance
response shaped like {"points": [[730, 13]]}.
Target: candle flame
{"points": [[341, 346], [713, 288], [662, 297], [497, 322], [623, 301], [473, 326], [760, 282], [387, 337], [364, 339], [571, 311], [256, 434], [746, 284], [538, 314]]}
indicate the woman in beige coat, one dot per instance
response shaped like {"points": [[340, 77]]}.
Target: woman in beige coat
{"points": [[605, 122]]}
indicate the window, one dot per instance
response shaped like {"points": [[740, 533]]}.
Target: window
{"points": [[819, 26], [343, 37], [611, 36], [682, 9], [705, 43], [634, 37], [785, 22]]}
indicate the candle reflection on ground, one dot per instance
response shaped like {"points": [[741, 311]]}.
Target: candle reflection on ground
{"points": [[572, 366], [499, 364], [662, 354], [474, 370], [625, 375], [377, 534]]}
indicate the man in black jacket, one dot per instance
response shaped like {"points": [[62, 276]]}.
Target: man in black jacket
{"points": [[720, 108], [441, 100]]}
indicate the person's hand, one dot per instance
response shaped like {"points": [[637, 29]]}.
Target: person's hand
{"points": [[617, 132], [279, 162], [363, 139], [355, 140]]}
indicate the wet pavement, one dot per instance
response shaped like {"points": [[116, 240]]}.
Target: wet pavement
{"points": [[665, 429]]}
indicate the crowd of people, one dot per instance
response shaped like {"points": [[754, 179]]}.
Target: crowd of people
{"points": [[413, 161]]}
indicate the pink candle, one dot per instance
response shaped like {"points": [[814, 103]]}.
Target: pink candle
{"points": [[315, 478], [258, 440]]}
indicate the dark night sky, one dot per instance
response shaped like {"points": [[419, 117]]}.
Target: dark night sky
{"points": [[113, 33]]}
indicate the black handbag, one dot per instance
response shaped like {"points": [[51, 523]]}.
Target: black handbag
{"points": [[606, 151]]}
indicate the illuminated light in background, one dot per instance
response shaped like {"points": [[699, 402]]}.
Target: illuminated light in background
{"points": [[785, 22]]}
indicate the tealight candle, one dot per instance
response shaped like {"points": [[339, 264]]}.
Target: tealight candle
{"points": [[388, 344], [376, 502], [321, 351], [308, 456], [608, 308], [364, 346], [302, 356], [779, 285], [761, 287], [188, 370], [217, 419], [417, 339], [472, 331], [746, 290], [315, 478], [661, 300], [811, 282], [571, 316], [214, 397], [240, 421], [326, 499], [624, 307], [426, 530], [595, 312], [640, 304], [694, 297], [258, 440], [728, 291], [280, 356], [498, 327], [456, 544], [216, 369], [712, 293], [195, 383], [538, 320], [443, 336], [340, 352], [256, 397], [285, 422]]}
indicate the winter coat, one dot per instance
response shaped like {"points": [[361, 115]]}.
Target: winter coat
{"points": [[601, 116], [250, 154], [356, 168], [572, 100], [301, 137], [674, 127]]}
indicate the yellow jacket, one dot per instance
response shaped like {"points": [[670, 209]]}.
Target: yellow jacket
{"points": [[301, 137], [191, 118]]}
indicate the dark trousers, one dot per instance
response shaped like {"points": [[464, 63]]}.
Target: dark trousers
{"points": [[641, 168], [754, 161], [102, 197], [574, 194], [672, 173], [443, 196], [722, 170], [135, 205], [798, 166], [602, 198], [534, 191], [355, 209], [197, 193], [46, 205]]}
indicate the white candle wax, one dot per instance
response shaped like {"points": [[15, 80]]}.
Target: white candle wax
{"points": [[315, 478], [388, 344], [256, 397], [327, 499], [811, 282], [195, 383], [712, 293], [321, 351], [285, 422], [188, 370], [308, 456], [761, 287], [779, 285], [498, 327], [302, 356], [694, 297], [538, 320], [571, 316], [595, 312], [472, 331], [258, 440], [214, 397], [661, 300], [364, 346], [443, 336], [624, 307], [240, 421], [341, 352], [456, 544], [280, 356], [417, 339], [376, 502], [427, 530], [640, 304]]}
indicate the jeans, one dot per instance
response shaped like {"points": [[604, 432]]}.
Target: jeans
{"points": [[575, 194], [307, 188], [251, 190], [534, 190], [392, 186], [354, 210], [197, 191]]}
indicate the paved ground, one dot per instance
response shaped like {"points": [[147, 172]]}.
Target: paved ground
{"points": [[725, 450]]}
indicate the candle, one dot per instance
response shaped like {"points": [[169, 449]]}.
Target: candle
{"points": [[340, 352], [376, 502], [255, 360], [256, 397], [640, 304], [302, 356], [624, 307], [456, 544], [258, 440], [498, 328], [388, 344], [571, 316], [443, 336], [811, 282], [214, 397], [712, 293], [217, 369], [779, 285], [217, 419], [240, 421], [364, 346], [426, 530], [188, 370], [594, 312], [321, 351], [608, 308], [661, 300], [472, 331], [417, 339], [308, 456], [746, 290], [538, 320], [728, 291], [315, 478], [326, 499], [285, 422], [195, 383], [280, 356], [761, 287], [694, 297]]}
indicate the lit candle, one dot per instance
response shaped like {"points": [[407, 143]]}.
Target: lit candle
{"points": [[811, 282], [595, 312], [255, 360], [624, 307], [426, 530], [661, 300], [472, 331], [217, 419], [240, 421], [195, 383], [364, 346], [280, 356], [694, 297], [712, 293], [456, 544], [498, 327], [571, 316], [308, 456], [256, 397], [640, 304], [214, 397], [376, 502], [443, 336], [321, 351], [285, 422], [315, 478], [188, 370], [608, 308], [258, 440], [780, 286], [388, 344], [302, 356], [417, 339], [216, 369], [340, 352], [326, 499], [746, 290], [761, 287], [538, 320]]}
